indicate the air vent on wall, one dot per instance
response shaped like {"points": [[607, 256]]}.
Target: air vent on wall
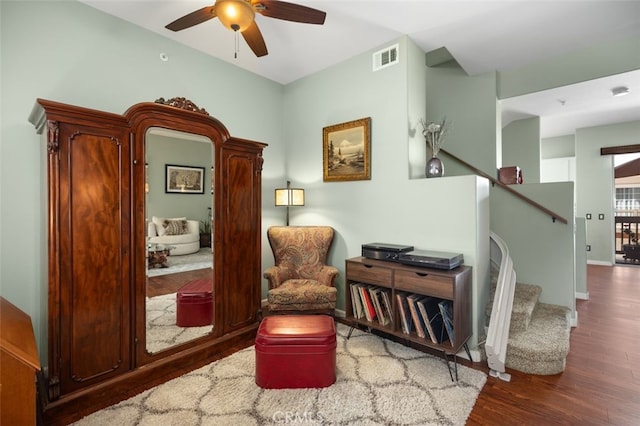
{"points": [[385, 57]]}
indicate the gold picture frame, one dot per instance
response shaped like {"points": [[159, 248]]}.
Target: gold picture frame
{"points": [[346, 151]]}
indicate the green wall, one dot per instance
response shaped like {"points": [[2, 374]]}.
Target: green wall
{"points": [[469, 105], [533, 239], [69, 52], [162, 151], [582, 292], [610, 57], [594, 181], [558, 147], [595, 184], [521, 147], [396, 205], [543, 251], [417, 106]]}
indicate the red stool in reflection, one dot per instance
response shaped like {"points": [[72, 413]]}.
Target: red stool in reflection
{"points": [[195, 304]]}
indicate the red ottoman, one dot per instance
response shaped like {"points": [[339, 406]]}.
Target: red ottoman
{"points": [[195, 304], [296, 351]]}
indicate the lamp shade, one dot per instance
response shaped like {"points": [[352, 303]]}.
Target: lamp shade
{"points": [[236, 15], [289, 197]]}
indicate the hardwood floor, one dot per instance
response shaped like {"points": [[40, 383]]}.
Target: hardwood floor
{"points": [[170, 283], [601, 382]]}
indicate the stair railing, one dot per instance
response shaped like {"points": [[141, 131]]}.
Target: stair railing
{"points": [[494, 181], [500, 321], [630, 223]]}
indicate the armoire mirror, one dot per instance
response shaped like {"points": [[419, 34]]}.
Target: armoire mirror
{"points": [[177, 259]]}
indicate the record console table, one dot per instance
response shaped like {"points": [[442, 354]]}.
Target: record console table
{"points": [[425, 307]]}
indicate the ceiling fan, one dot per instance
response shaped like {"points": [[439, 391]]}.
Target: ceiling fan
{"points": [[239, 16]]}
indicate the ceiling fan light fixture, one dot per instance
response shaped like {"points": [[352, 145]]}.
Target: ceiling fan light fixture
{"points": [[236, 15]]}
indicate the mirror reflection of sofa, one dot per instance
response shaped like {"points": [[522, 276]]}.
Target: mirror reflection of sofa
{"points": [[180, 232]]}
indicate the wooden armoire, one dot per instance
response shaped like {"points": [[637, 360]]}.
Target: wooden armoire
{"points": [[96, 247]]}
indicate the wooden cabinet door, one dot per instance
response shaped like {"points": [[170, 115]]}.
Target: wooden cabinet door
{"points": [[240, 252], [93, 244]]}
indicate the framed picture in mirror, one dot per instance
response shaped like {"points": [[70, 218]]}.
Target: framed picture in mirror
{"points": [[184, 179]]}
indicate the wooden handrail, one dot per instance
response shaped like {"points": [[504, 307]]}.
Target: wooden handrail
{"points": [[554, 216]]}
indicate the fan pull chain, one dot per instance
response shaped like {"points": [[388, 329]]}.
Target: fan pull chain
{"points": [[235, 29]]}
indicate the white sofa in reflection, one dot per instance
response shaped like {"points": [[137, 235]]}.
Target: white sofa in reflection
{"points": [[180, 232]]}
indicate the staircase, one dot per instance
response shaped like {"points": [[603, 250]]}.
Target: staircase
{"points": [[538, 337]]}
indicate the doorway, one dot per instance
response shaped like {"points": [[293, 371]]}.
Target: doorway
{"points": [[627, 208]]}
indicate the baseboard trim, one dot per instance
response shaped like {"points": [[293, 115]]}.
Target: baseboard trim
{"points": [[582, 296], [599, 262], [574, 319]]}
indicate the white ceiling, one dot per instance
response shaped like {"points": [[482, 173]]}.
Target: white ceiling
{"points": [[579, 105], [482, 35]]}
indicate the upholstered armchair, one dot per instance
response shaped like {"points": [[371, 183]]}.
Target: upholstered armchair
{"points": [[300, 280]]}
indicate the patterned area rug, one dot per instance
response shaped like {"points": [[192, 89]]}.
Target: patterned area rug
{"points": [[162, 331], [379, 382], [188, 262]]}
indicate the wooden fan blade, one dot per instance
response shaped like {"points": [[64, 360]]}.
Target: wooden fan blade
{"points": [[194, 18], [254, 39], [289, 11]]}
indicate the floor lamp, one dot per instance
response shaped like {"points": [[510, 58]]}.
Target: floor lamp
{"points": [[289, 197]]}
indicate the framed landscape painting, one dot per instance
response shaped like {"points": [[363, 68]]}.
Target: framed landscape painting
{"points": [[184, 179], [346, 151]]}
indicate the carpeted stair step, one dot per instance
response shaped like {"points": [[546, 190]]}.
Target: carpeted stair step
{"points": [[524, 302], [543, 347]]}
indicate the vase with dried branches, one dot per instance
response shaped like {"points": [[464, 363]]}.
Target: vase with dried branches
{"points": [[434, 135]]}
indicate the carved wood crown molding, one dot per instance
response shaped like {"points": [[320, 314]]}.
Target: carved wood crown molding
{"points": [[260, 162], [53, 131], [183, 103]]}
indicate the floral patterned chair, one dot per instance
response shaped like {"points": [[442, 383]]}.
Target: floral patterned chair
{"points": [[300, 280]]}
